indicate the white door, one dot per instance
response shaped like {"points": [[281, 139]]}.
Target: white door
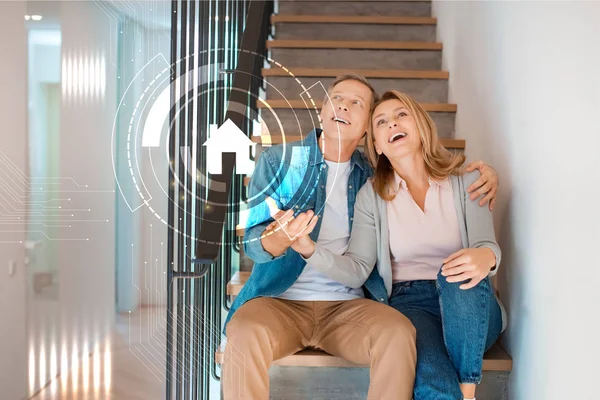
{"points": [[13, 194]]}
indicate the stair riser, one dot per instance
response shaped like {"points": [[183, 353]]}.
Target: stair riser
{"points": [[301, 122], [341, 7], [422, 90], [358, 58], [329, 31], [300, 383]]}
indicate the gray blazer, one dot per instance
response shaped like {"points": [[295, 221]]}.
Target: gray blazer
{"points": [[370, 243]]}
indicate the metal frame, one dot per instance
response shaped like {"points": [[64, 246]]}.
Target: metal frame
{"points": [[197, 274]]}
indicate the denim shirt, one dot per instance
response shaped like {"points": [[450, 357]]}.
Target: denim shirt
{"points": [[295, 176]]}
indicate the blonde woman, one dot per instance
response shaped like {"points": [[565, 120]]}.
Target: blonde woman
{"points": [[434, 248]]}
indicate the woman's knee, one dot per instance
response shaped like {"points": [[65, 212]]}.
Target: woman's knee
{"points": [[453, 288]]}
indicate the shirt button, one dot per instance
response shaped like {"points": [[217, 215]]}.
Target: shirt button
{"points": [[351, 218], [350, 187], [381, 300], [297, 207], [322, 186]]}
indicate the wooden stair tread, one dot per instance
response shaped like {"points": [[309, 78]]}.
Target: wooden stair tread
{"points": [[351, 44], [237, 282], [459, 144], [260, 103], [367, 73], [353, 19], [268, 140], [496, 359]]}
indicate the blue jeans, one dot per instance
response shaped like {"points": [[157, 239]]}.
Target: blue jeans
{"points": [[454, 329]]}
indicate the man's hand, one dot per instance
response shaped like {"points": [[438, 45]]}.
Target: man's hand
{"points": [[474, 264], [281, 233], [486, 185]]}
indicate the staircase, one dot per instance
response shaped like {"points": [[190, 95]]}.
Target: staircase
{"points": [[392, 43]]}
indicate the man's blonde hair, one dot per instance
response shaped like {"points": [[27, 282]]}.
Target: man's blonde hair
{"points": [[355, 77]]}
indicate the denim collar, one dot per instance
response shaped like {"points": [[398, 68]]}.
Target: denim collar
{"points": [[311, 141]]}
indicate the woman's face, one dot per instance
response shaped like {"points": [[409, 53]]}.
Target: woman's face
{"points": [[395, 130]]}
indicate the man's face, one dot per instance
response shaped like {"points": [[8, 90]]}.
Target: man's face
{"points": [[346, 116]]}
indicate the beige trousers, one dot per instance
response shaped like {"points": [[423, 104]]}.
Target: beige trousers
{"points": [[361, 330]]}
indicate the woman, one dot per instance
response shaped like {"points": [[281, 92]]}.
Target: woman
{"points": [[434, 248]]}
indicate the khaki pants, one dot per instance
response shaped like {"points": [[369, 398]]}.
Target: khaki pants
{"points": [[362, 331]]}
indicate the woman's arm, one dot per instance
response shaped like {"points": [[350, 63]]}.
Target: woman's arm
{"points": [[480, 224], [354, 267], [482, 257]]}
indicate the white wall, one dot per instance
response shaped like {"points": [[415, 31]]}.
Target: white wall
{"points": [[13, 106], [526, 78], [77, 318], [144, 53], [156, 176], [87, 274]]}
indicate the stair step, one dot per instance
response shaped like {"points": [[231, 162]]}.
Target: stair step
{"points": [[234, 286], [427, 86], [339, 27], [305, 120], [367, 73], [358, 58], [353, 19], [404, 8], [352, 44], [302, 383], [267, 140], [301, 104], [496, 359]]}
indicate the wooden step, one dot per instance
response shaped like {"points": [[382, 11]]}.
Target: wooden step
{"points": [[458, 144], [354, 27], [369, 57], [367, 73], [260, 103], [420, 8], [351, 44], [496, 359], [426, 86], [234, 286], [353, 19], [268, 140]]}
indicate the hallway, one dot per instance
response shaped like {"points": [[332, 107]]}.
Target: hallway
{"points": [[130, 365]]}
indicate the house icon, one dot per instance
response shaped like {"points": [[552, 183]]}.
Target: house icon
{"points": [[228, 138]]}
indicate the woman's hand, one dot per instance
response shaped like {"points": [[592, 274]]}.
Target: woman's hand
{"points": [[474, 264], [486, 185], [304, 246], [302, 243], [296, 229]]}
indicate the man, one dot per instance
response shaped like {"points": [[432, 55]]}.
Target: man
{"points": [[286, 305]]}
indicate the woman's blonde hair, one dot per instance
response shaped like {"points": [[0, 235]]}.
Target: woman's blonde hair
{"points": [[439, 161]]}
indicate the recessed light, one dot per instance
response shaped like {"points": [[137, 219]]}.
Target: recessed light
{"points": [[27, 17], [36, 17]]}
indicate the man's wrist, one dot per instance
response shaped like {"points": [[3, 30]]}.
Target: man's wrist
{"points": [[274, 243]]}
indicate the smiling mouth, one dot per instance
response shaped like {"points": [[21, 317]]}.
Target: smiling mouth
{"points": [[396, 137], [341, 120]]}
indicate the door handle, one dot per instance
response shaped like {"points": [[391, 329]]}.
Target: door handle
{"points": [[31, 244]]}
